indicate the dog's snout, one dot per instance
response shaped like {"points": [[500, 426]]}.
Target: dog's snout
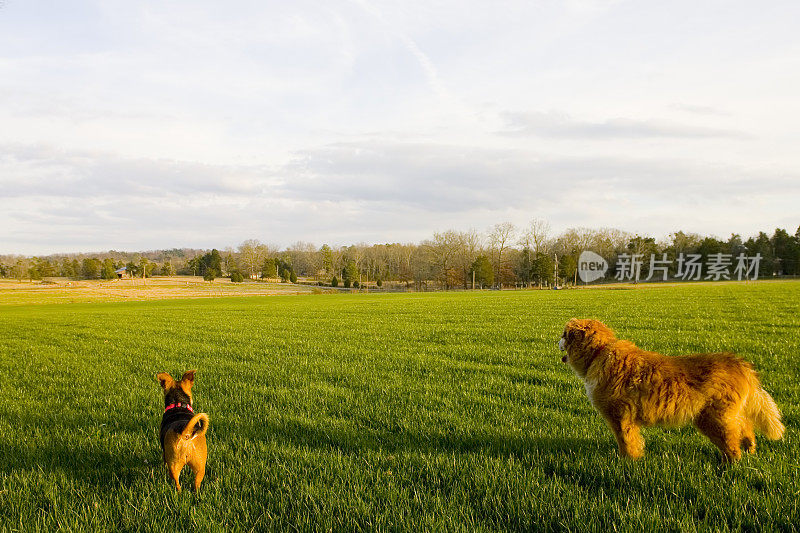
{"points": [[562, 344]]}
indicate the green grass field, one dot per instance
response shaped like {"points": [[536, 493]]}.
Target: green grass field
{"points": [[381, 412]]}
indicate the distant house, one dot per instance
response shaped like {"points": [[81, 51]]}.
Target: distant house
{"points": [[122, 272]]}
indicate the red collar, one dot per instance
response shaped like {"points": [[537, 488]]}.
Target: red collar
{"points": [[184, 405]]}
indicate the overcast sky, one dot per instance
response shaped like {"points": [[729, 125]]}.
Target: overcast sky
{"points": [[144, 125]]}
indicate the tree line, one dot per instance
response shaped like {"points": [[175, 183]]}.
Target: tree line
{"points": [[503, 256]]}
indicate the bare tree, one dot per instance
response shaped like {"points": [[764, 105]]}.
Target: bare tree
{"points": [[251, 256], [471, 247], [443, 249], [356, 254], [682, 241], [535, 236], [420, 264], [499, 240], [379, 258], [301, 256], [609, 241], [406, 272], [575, 240], [337, 261]]}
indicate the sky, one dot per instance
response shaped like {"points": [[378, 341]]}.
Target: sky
{"points": [[147, 125]]}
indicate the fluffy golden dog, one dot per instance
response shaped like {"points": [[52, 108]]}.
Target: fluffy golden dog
{"points": [[630, 387]]}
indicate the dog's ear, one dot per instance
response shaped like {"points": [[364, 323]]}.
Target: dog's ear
{"points": [[165, 380], [600, 332], [188, 378]]}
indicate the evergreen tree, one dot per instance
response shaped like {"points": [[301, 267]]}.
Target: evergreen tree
{"points": [[350, 272], [269, 269], [709, 246], [762, 245], [787, 252], [33, 273], [194, 265], [568, 265], [145, 267], [523, 267], [108, 270], [132, 269], [167, 269], [327, 258], [90, 268], [484, 272], [67, 270]]}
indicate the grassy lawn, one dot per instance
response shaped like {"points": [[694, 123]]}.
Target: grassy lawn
{"points": [[386, 411]]}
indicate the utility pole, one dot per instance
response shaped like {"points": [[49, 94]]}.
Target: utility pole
{"points": [[555, 271]]}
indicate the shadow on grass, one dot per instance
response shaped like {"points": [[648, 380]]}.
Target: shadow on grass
{"points": [[90, 463], [591, 464], [351, 440]]}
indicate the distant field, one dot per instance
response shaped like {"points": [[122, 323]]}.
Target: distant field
{"points": [[381, 411], [63, 290]]}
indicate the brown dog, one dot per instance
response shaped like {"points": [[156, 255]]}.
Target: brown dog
{"points": [[718, 392], [183, 433]]}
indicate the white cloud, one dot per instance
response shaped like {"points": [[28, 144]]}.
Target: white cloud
{"points": [[146, 124], [562, 125], [372, 191]]}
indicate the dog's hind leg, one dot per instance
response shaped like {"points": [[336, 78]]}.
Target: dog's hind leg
{"points": [[748, 435], [197, 462], [175, 474], [199, 469], [723, 430]]}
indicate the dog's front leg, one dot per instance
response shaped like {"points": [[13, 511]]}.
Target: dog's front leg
{"points": [[629, 439]]}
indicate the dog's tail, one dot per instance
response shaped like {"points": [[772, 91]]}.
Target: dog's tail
{"points": [[196, 427], [762, 411]]}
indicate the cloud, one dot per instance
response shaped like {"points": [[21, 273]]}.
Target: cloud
{"points": [[563, 126], [41, 170], [375, 191], [425, 62], [453, 178], [699, 109]]}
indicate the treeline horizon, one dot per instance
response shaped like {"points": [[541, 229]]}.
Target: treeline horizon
{"points": [[505, 255]]}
